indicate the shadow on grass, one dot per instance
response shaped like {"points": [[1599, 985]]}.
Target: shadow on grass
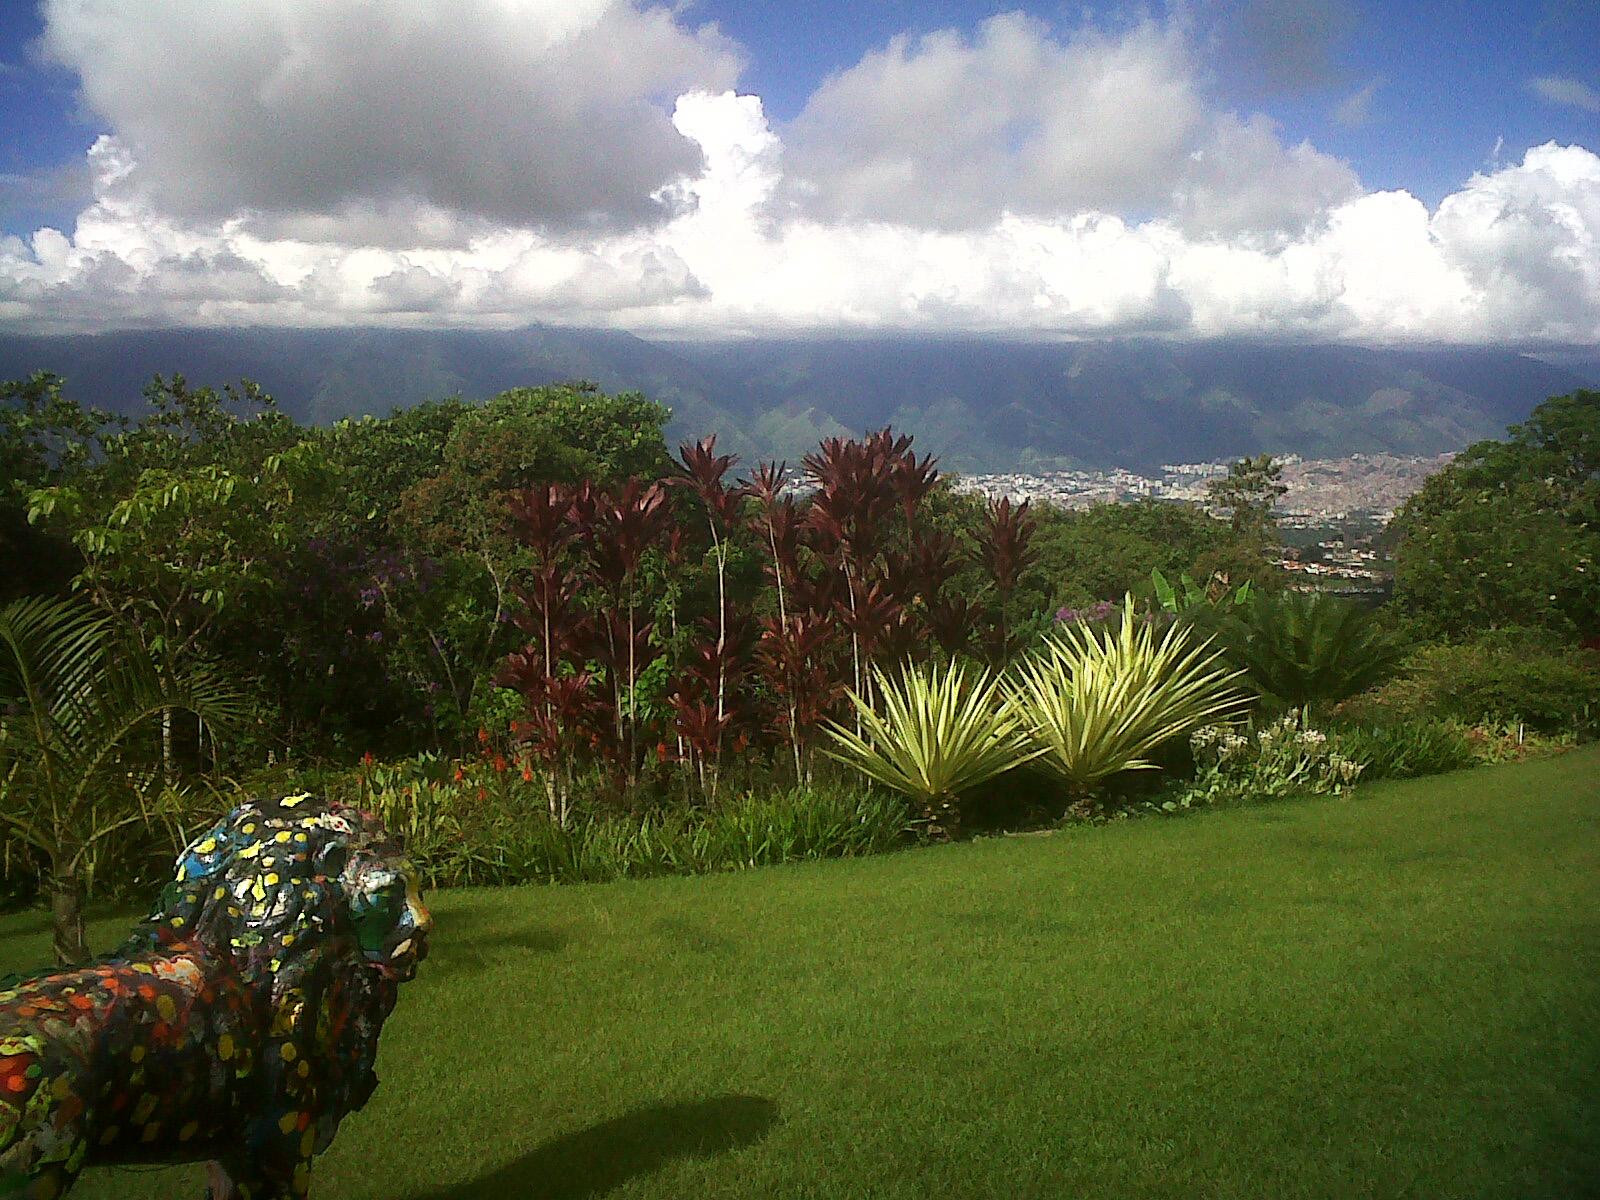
{"points": [[601, 1158]]}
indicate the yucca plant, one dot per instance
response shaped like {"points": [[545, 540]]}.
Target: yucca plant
{"points": [[936, 732], [1305, 648], [1100, 704]]}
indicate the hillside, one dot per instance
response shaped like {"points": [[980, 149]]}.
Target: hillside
{"points": [[982, 404]]}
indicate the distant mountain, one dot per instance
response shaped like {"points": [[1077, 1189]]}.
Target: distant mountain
{"points": [[981, 404]]}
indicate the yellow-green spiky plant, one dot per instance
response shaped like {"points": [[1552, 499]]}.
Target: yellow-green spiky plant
{"points": [[935, 732], [1100, 703]]}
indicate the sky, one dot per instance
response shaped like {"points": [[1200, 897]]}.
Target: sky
{"points": [[1348, 170]]}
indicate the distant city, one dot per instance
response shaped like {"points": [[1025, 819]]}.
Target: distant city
{"points": [[1364, 488], [1331, 516]]}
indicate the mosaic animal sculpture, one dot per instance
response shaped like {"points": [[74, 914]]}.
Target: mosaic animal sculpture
{"points": [[237, 1025]]}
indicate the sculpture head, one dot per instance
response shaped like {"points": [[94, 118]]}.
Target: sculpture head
{"points": [[276, 882]]}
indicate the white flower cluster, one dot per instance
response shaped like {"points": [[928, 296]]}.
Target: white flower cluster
{"points": [[1284, 757]]}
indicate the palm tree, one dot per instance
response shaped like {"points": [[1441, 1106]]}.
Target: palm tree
{"points": [[80, 707]]}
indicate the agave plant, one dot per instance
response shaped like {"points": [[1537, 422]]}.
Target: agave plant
{"points": [[1100, 704], [1306, 648], [937, 731]]}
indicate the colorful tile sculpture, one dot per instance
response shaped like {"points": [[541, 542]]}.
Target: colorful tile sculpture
{"points": [[238, 1024]]}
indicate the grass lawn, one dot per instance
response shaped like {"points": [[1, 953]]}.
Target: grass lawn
{"points": [[1393, 994]]}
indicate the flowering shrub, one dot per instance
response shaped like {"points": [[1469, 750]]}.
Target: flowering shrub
{"points": [[1285, 758]]}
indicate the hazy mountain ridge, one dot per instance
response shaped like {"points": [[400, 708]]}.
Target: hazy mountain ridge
{"points": [[982, 404]]}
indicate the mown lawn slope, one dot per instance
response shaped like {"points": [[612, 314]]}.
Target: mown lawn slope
{"points": [[1392, 994]]}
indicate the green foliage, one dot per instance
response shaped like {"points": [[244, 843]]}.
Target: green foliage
{"points": [[1304, 647], [1403, 750], [935, 732], [1100, 704], [80, 705], [1247, 494], [1498, 679], [1089, 554], [1285, 758], [481, 823], [1216, 592], [1509, 533], [748, 831]]}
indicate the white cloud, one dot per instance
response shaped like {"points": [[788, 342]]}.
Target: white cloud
{"points": [[362, 115], [952, 133], [1064, 214], [1572, 92]]}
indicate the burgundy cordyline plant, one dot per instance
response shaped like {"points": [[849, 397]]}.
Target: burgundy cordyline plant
{"points": [[1007, 550], [796, 647], [703, 474], [562, 718], [619, 528], [860, 487]]}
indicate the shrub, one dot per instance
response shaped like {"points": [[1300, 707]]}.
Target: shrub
{"points": [[1304, 648], [935, 732], [1501, 678], [1101, 704], [1285, 758], [1408, 749], [749, 831]]}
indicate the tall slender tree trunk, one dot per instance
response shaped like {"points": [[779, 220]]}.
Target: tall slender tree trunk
{"points": [[166, 746], [66, 919]]}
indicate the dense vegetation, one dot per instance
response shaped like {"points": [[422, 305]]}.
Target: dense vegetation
{"points": [[547, 647]]}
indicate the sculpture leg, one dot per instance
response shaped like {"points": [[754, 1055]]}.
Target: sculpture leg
{"points": [[252, 1181], [45, 1184]]}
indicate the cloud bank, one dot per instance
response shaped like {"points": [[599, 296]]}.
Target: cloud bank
{"points": [[1010, 181]]}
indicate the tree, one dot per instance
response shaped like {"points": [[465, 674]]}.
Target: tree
{"points": [[1509, 533], [46, 438], [187, 517], [1247, 494], [79, 703]]}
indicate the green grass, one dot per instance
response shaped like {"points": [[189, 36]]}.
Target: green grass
{"points": [[1391, 994]]}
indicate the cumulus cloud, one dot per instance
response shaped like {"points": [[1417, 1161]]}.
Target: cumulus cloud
{"points": [[1010, 181], [1510, 256], [951, 133], [948, 132], [546, 113], [1572, 92]]}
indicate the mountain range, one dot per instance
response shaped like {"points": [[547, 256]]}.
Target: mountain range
{"points": [[980, 404]]}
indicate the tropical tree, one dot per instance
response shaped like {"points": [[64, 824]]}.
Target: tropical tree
{"points": [[80, 704], [1247, 495], [1509, 533]]}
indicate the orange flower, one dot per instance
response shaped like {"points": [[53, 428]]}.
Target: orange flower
{"points": [[367, 760], [527, 773], [500, 764], [483, 734], [460, 774]]}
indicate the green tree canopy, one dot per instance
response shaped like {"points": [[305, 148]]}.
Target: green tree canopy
{"points": [[1509, 533]]}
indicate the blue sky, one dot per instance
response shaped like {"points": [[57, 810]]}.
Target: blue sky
{"points": [[1325, 101]]}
